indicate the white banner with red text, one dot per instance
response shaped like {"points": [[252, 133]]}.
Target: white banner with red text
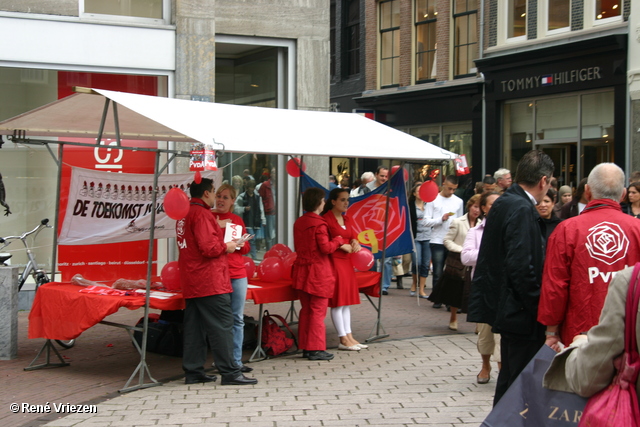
{"points": [[107, 207]]}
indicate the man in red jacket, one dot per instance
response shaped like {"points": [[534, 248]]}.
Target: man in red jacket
{"points": [[584, 253], [206, 287]]}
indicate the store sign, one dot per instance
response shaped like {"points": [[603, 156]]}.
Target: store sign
{"points": [[552, 79]]}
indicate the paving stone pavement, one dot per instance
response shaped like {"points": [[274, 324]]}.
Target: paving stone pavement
{"points": [[423, 373]]}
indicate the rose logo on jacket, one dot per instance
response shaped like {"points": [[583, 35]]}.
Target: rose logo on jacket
{"points": [[182, 243], [607, 242]]}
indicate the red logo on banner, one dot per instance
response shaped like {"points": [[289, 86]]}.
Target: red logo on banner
{"points": [[368, 216]]}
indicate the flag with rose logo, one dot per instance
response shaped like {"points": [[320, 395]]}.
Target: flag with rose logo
{"points": [[367, 214]]}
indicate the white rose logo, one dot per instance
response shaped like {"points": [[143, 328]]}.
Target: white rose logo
{"points": [[607, 242]]}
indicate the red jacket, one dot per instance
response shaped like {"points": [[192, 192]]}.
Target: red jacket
{"points": [[266, 193], [312, 270], [236, 263], [204, 270], [583, 254]]}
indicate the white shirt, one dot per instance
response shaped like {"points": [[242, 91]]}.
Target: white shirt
{"points": [[434, 211]]}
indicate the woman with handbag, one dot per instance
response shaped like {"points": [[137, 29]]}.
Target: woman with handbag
{"points": [[603, 363], [456, 277], [313, 274], [346, 291]]}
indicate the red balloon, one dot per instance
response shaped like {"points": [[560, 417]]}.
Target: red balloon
{"points": [[428, 191], [405, 173], [176, 204], [249, 266], [282, 249], [293, 167], [170, 276], [197, 177], [272, 254], [288, 264], [270, 269], [362, 260]]}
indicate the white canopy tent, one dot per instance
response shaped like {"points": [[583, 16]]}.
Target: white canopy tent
{"points": [[238, 128]]}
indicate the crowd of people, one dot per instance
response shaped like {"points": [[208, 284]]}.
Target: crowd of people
{"points": [[529, 263]]}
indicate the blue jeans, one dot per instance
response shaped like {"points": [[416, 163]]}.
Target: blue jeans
{"points": [[438, 255], [270, 231], [238, 297], [388, 269], [421, 258], [253, 242]]}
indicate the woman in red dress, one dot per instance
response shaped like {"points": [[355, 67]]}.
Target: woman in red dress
{"points": [[346, 291], [313, 275]]}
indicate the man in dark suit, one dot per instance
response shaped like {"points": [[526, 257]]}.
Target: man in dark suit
{"points": [[506, 284]]}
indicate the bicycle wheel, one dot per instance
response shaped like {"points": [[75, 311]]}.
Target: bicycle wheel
{"points": [[66, 343]]}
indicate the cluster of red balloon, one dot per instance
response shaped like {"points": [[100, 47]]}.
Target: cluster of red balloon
{"points": [[276, 264], [170, 276]]}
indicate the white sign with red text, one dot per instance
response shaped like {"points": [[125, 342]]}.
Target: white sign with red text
{"points": [[106, 207]]}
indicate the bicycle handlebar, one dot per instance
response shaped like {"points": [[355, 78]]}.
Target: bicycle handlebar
{"points": [[43, 224]]}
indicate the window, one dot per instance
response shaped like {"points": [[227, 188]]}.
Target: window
{"points": [[517, 18], [332, 39], [156, 11], [426, 46], [558, 14], [352, 37], [606, 9], [389, 43], [465, 41]]}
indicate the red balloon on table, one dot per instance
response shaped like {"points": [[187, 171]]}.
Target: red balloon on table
{"points": [[249, 266], [293, 167], [288, 264], [170, 276], [404, 172], [282, 249], [271, 253], [428, 191], [362, 260], [176, 204], [270, 269]]}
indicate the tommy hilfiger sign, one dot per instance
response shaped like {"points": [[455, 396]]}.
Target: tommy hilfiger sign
{"points": [[553, 79]]}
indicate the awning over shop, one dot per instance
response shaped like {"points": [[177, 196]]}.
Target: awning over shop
{"points": [[240, 128]]}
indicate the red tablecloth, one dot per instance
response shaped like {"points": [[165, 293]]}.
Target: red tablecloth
{"points": [[59, 311], [281, 290]]}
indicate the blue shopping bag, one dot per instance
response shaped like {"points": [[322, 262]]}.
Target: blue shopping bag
{"points": [[527, 404]]}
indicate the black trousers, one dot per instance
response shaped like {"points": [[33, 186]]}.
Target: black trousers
{"points": [[515, 354], [208, 318]]}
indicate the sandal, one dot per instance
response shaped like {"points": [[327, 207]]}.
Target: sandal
{"points": [[483, 380]]}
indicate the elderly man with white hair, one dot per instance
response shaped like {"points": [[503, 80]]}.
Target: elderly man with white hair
{"points": [[366, 178], [584, 253], [503, 179]]}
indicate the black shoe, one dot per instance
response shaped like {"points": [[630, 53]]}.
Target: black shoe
{"points": [[305, 353], [385, 293], [245, 368], [201, 379], [239, 380], [319, 355], [437, 305]]}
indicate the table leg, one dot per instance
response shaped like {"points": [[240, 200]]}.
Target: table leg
{"points": [[292, 316], [376, 326], [258, 353], [48, 345]]}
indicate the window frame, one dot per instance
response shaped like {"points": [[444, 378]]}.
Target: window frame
{"points": [[546, 13], [455, 16], [506, 23], [395, 55], [347, 32], [165, 20], [416, 25]]}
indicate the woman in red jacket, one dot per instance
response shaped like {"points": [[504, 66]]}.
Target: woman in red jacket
{"points": [[313, 275], [225, 199], [346, 291]]}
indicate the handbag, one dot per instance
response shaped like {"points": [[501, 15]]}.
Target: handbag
{"points": [[274, 339], [528, 404], [617, 405]]}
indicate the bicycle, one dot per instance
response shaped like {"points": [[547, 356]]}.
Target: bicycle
{"points": [[39, 275]]}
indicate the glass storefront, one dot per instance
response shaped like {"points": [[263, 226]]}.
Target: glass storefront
{"points": [[575, 130]]}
